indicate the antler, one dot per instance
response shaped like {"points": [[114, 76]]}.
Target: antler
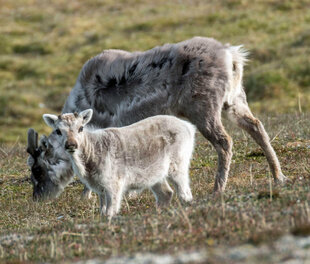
{"points": [[32, 142]]}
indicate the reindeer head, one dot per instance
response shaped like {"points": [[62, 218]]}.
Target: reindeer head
{"points": [[69, 127], [50, 165]]}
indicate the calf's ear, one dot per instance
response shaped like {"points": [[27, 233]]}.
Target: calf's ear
{"points": [[50, 120], [86, 115]]}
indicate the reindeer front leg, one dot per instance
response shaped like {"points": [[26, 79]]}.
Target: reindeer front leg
{"points": [[102, 206], [87, 193], [113, 198]]}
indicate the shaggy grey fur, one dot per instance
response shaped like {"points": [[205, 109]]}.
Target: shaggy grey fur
{"points": [[197, 79]]}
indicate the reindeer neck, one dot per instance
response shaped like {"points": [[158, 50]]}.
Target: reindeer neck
{"points": [[92, 146], [86, 147]]}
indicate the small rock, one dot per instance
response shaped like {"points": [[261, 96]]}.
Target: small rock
{"points": [[11, 239]]}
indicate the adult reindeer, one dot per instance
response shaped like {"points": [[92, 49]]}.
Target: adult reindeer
{"points": [[197, 79]]}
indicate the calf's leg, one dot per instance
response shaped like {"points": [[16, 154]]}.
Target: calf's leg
{"points": [[180, 179], [102, 206], [113, 198], [163, 193], [87, 193]]}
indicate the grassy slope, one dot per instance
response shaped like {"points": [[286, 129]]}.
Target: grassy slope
{"points": [[43, 45], [69, 229], [42, 48]]}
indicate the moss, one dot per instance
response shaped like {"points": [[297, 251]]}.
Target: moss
{"points": [[267, 84], [256, 153], [300, 73], [302, 40], [5, 46], [267, 195], [267, 236], [3, 105], [301, 230], [32, 48]]}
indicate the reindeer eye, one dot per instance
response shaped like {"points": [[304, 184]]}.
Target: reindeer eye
{"points": [[58, 132], [80, 129]]}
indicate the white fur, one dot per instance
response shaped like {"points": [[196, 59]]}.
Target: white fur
{"points": [[50, 120], [237, 56], [138, 156]]}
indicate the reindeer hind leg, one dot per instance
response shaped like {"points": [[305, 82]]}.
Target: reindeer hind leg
{"points": [[240, 114]]}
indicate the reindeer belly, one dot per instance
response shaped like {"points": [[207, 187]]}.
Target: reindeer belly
{"points": [[148, 175]]}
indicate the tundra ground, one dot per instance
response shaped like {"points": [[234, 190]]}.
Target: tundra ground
{"points": [[43, 45], [252, 210]]}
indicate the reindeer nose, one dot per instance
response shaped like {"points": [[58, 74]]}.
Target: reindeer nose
{"points": [[71, 145]]}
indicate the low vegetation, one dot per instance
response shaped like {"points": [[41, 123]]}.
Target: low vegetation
{"points": [[251, 210], [43, 45]]}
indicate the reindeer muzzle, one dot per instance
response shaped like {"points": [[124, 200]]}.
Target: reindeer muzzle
{"points": [[71, 146]]}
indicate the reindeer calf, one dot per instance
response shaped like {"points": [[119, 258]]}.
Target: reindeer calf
{"points": [[113, 160]]}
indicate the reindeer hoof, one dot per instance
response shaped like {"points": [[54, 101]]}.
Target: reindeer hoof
{"points": [[87, 194], [132, 195], [282, 179]]}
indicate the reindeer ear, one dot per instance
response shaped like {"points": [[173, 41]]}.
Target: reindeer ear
{"points": [[86, 115], [50, 120], [44, 144]]}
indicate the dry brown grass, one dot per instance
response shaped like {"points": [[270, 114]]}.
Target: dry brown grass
{"points": [[70, 229], [43, 45]]}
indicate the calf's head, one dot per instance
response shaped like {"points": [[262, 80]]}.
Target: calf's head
{"points": [[69, 127], [50, 166]]}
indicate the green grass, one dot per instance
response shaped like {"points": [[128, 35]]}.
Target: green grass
{"points": [[70, 229], [44, 44]]}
